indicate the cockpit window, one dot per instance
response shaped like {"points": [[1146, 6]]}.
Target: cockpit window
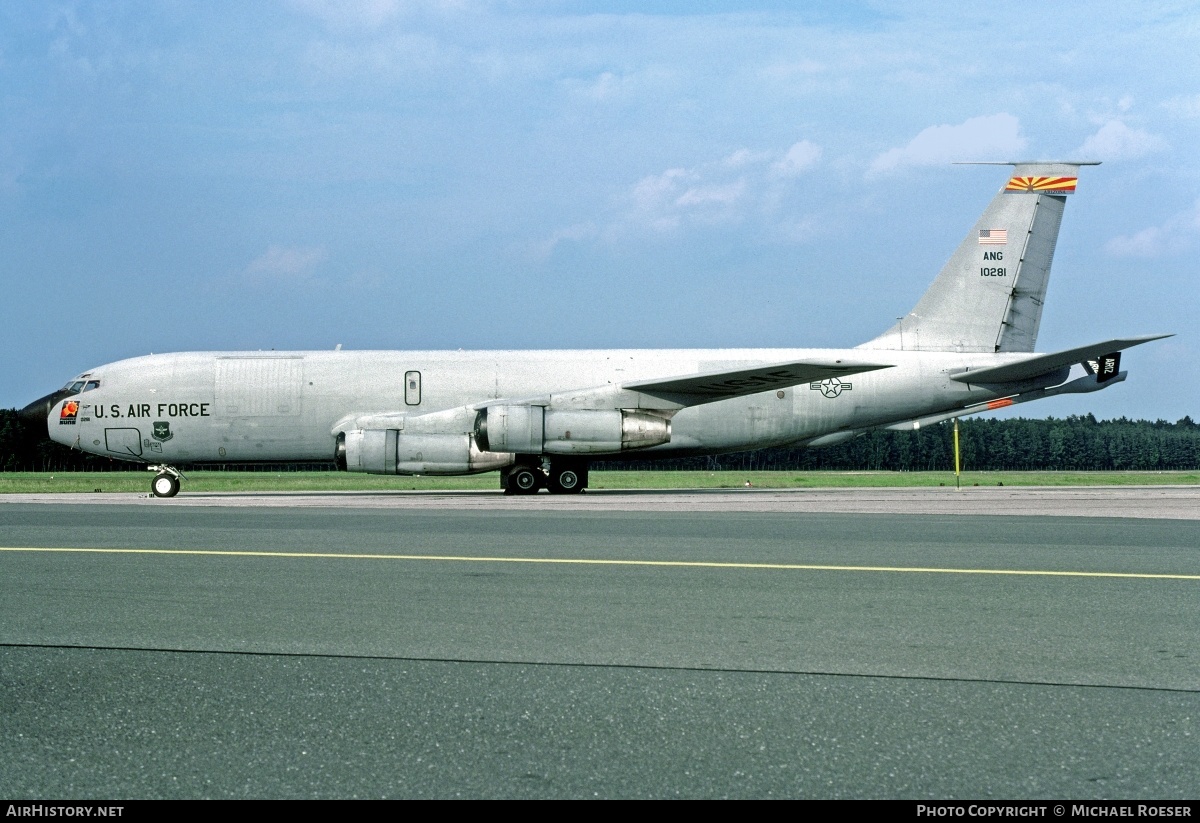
{"points": [[77, 386]]}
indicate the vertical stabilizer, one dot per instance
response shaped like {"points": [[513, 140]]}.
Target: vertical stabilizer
{"points": [[989, 296]]}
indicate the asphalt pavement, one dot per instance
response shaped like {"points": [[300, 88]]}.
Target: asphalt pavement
{"points": [[494, 651]]}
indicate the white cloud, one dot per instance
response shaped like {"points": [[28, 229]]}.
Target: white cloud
{"points": [[993, 137], [653, 198], [606, 86], [1177, 234], [704, 194], [798, 159], [1184, 106], [580, 231], [1116, 141], [286, 263], [745, 185], [724, 191], [745, 157], [722, 195]]}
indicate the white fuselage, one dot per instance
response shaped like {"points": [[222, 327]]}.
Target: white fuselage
{"points": [[204, 407]]}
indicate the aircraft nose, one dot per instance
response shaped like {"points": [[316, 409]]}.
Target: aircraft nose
{"points": [[37, 413]]}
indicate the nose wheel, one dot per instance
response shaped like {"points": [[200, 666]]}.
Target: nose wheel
{"points": [[166, 482]]}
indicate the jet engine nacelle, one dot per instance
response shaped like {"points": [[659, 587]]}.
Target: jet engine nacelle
{"points": [[390, 451], [538, 430]]}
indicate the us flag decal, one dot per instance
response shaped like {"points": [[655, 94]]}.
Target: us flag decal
{"points": [[993, 237]]}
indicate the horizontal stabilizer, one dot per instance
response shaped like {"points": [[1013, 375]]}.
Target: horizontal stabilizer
{"points": [[694, 389], [1041, 364], [1082, 385]]}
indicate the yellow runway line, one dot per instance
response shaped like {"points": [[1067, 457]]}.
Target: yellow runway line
{"points": [[702, 564]]}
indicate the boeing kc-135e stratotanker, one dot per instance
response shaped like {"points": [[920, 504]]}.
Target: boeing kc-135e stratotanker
{"points": [[541, 417]]}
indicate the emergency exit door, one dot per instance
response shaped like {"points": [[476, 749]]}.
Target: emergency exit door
{"points": [[412, 388]]}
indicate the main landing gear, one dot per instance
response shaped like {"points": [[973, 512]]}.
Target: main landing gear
{"points": [[166, 482], [558, 476]]}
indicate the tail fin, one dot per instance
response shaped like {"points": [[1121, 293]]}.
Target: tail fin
{"points": [[989, 296]]}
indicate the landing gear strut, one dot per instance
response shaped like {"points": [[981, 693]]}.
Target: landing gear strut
{"points": [[166, 482]]}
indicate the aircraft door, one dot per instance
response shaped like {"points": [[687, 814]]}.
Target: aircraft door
{"points": [[412, 388], [124, 441]]}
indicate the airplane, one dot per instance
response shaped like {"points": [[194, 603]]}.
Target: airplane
{"points": [[541, 418]]}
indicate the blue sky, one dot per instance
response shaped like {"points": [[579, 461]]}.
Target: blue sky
{"points": [[388, 174]]}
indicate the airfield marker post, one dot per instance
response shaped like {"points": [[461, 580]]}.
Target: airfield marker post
{"points": [[957, 462]]}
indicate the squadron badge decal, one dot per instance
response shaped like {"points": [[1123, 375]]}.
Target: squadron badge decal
{"points": [[162, 431], [69, 413]]}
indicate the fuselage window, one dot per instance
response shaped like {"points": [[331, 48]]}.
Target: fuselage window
{"points": [[412, 388]]}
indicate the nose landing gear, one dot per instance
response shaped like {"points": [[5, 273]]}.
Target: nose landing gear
{"points": [[166, 482]]}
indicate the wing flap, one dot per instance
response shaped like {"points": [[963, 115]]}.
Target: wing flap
{"points": [[1034, 367]]}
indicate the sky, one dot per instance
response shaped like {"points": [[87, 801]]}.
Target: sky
{"points": [[298, 174]]}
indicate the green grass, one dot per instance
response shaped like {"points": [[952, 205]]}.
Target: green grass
{"points": [[869, 479], [226, 481]]}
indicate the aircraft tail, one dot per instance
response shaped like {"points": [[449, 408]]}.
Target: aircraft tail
{"points": [[989, 296]]}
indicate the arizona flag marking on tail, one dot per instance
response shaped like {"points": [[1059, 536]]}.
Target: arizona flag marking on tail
{"points": [[1042, 185]]}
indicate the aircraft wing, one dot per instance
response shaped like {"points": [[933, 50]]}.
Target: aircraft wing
{"points": [[707, 387], [1045, 363]]}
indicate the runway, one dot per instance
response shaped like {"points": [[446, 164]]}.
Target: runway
{"points": [[1171, 502], [610, 645]]}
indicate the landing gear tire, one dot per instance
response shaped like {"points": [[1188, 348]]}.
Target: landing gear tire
{"points": [[523, 480], [164, 485], [568, 479]]}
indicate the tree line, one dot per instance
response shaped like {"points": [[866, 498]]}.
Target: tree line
{"points": [[1075, 443]]}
